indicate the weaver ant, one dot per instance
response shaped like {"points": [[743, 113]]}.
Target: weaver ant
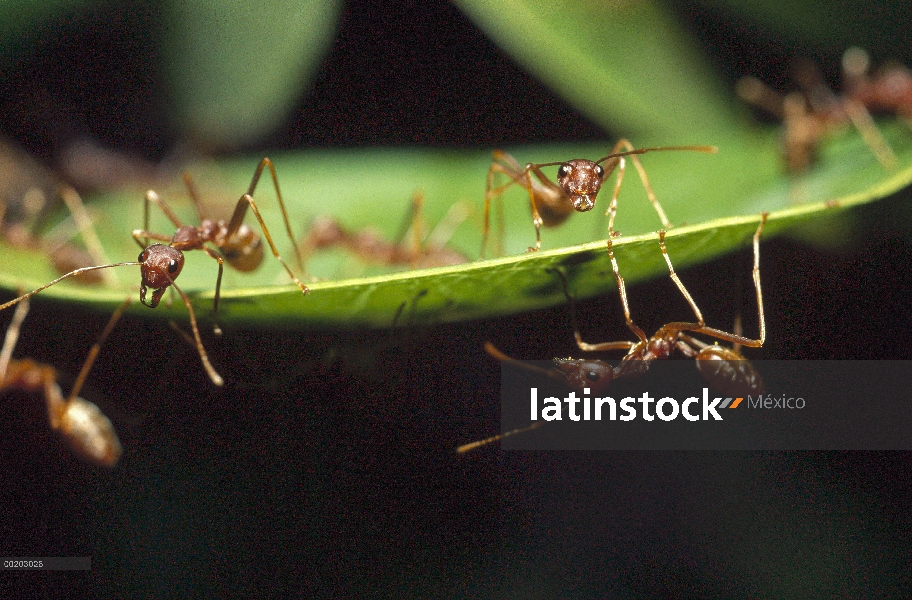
{"points": [[161, 264], [27, 189], [808, 117], [420, 252], [724, 369], [578, 183], [86, 430], [236, 242]]}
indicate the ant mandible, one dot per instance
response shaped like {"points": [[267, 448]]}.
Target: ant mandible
{"points": [[578, 183], [724, 369], [86, 430]]}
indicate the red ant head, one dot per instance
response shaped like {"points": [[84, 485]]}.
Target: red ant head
{"points": [[581, 180], [582, 373], [160, 267]]}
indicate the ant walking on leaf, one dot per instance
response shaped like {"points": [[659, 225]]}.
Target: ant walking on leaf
{"points": [[412, 247], [724, 369], [160, 264], [578, 184], [236, 242], [82, 425], [808, 117]]}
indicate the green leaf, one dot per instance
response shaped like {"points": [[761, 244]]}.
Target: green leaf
{"points": [[627, 65], [374, 187], [236, 69]]}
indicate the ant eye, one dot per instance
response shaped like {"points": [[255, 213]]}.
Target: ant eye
{"points": [[599, 171], [592, 376], [563, 171], [172, 266], [142, 256]]}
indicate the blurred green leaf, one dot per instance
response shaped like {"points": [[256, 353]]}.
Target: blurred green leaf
{"points": [[237, 68], [628, 66], [374, 187]]}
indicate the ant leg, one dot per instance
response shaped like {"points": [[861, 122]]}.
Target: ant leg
{"points": [[612, 206], [455, 216], [414, 224], [496, 438], [536, 217], [194, 195], [687, 343], [737, 338], [621, 345], [12, 336], [755, 92], [549, 203], [96, 348], [241, 209], [506, 165], [213, 375], [417, 227], [142, 237], [677, 281], [218, 288], [624, 145], [246, 199], [83, 222], [649, 193], [625, 148], [503, 358], [622, 291], [152, 196], [871, 135]]}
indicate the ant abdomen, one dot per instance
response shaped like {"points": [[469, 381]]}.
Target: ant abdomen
{"points": [[727, 372], [582, 373], [243, 250], [87, 431]]}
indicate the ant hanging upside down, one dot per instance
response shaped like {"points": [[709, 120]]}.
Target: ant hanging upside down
{"points": [[160, 264], [578, 184], [724, 369]]}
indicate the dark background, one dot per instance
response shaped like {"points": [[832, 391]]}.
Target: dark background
{"points": [[326, 465]]}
